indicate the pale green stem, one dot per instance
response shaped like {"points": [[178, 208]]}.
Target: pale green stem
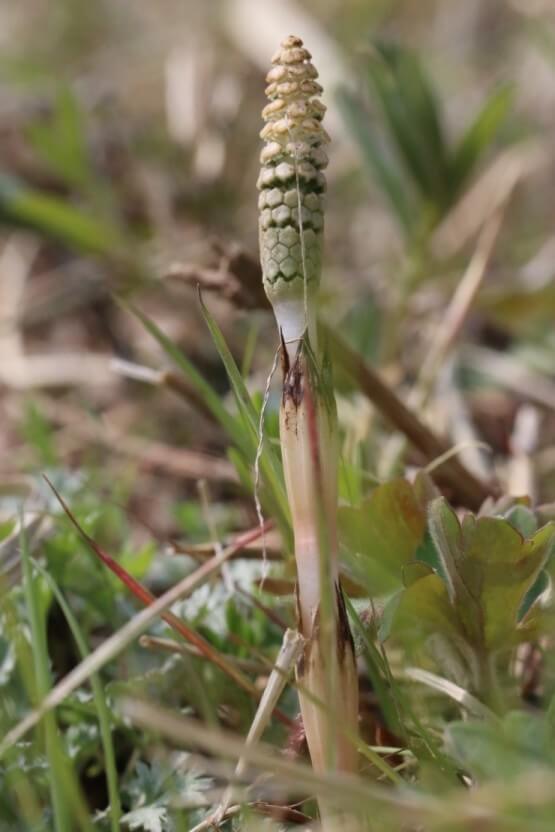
{"points": [[291, 186]]}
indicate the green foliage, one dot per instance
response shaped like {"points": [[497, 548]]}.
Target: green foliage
{"points": [[67, 800], [25, 207], [153, 790], [454, 595], [91, 737], [62, 141], [513, 747], [383, 171], [241, 429], [521, 308], [489, 567], [382, 534], [479, 136], [421, 174], [460, 596], [92, 601], [269, 462], [481, 604], [38, 433]]}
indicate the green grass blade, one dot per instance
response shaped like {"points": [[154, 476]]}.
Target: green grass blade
{"points": [[242, 432], [406, 134], [242, 395], [479, 135], [17, 795], [270, 466], [250, 347], [56, 764], [103, 713], [382, 171], [24, 207], [421, 103], [209, 396], [376, 671], [62, 142]]}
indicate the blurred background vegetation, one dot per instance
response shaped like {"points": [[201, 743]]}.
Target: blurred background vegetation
{"points": [[128, 160]]}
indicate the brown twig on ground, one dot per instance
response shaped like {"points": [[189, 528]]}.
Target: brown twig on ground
{"points": [[169, 379], [63, 369], [237, 277]]}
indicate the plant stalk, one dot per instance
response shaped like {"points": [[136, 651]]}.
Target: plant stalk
{"points": [[291, 221]]}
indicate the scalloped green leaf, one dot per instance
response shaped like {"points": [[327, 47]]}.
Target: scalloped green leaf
{"points": [[490, 568], [424, 609], [381, 535]]}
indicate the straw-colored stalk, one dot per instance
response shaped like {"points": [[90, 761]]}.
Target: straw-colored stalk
{"points": [[292, 185]]}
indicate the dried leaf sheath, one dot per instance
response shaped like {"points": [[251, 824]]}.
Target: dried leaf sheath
{"points": [[328, 670], [309, 452]]}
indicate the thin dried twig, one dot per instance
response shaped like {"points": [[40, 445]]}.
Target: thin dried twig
{"points": [[237, 277], [161, 378]]}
